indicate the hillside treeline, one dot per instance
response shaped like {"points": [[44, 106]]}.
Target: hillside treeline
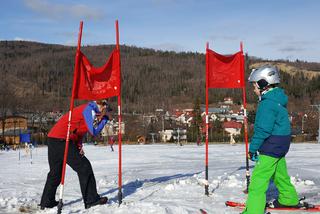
{"points": [[38, 77]]}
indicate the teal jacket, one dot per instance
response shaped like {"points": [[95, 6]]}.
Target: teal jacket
{"points": [[272, 132]]}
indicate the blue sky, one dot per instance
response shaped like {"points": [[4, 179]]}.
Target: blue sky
{"points": [[274, 29]]}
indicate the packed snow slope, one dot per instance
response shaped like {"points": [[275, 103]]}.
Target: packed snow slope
{"points": [[156, 178]]}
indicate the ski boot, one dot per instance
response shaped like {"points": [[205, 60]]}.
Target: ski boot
{"points": [[305, 205], [301, 205]]}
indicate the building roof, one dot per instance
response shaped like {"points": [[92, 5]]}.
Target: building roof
{"points": [[232, 124], [216, 110], [13, 117], [15, 132]]}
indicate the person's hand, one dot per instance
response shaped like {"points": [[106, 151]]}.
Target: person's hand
{"points": [[253, 156], [101, 114], [103, 111], [109, 115], [81, 152]]}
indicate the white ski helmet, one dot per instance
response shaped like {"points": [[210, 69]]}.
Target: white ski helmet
{"points": [[264, 76]]}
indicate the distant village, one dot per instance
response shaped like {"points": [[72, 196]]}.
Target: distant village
{"points": [[162, 126], [231, 119]]}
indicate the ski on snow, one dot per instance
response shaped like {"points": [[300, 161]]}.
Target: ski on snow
{"points": [[202, 211], [307, 208]]}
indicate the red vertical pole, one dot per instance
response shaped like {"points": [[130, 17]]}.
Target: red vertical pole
{"points": [[245, 122], [207, 122], [75, 73], [119, 122]]}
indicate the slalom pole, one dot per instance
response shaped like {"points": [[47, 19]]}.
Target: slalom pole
{"points": [[245, 125], [207, 124], [60, 205], [119, 122], [31, 153], [19, 153], [246, 137]]}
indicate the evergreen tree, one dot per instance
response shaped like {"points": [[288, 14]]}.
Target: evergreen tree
{"points": [[194, 131]]}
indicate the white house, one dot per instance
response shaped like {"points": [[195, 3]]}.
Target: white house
{"points": [[166, 135]]}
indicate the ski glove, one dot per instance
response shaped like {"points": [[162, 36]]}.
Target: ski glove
{"points": [[253, 156]]}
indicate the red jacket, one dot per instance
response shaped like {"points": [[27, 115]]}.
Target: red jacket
{"points": [[78, 125]]}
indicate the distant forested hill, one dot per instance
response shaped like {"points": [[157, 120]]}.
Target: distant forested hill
{"points": [[38, 77]]}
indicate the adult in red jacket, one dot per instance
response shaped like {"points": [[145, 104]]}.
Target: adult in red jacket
{"points": [[91, 118]]}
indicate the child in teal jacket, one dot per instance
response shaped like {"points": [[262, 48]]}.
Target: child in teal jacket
{"points": [[271, 138]]}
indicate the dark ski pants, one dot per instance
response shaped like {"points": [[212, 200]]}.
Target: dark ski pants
{"points": [[77, 162]]}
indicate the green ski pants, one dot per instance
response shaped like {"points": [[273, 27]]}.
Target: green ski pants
{"points": [[269, 168]]}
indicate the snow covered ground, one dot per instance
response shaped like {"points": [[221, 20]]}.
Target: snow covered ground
{"points": [[156, 179]]}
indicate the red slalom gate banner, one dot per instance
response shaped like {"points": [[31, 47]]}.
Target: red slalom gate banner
{"points": [[98, 83], [225, 71]]}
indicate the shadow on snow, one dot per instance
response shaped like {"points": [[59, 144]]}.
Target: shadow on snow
{"points": [[133, 186]]}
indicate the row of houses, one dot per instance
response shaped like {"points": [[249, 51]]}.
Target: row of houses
{"points": [[11, 127], [231, 117]]}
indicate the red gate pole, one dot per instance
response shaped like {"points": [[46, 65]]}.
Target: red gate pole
{"points": [[207, 123], [119, 123], [76, 67]]}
